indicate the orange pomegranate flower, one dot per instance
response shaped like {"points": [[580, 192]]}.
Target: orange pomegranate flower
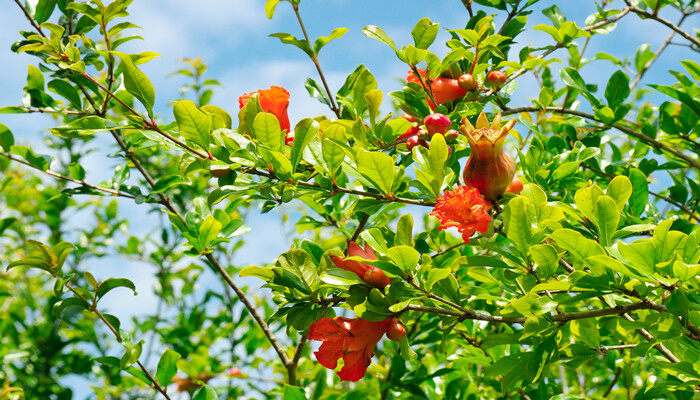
{"points": [[274, 100], [353, 340], [465, 209], [372, 275], [444, 89]]}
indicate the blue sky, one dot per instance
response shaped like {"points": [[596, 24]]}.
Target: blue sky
{"points": [[232, 37]]}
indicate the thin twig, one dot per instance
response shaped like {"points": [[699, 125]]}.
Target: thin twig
{"points": [[666, 22], [29, 18], [629, 131], [93, 308], [333, 106], [69, 179]]}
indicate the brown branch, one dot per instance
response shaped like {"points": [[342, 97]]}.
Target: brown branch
{"points": [[149, 123], [618, 371], [30, 18], [333, 106], [649, 63], [69, 179], [564, 317], [93, 308], [214, 263], [666, 22], [339, 189], [629, 131]]}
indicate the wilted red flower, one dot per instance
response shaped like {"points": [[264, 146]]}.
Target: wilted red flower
{"points": [[444, 89], [274, 100], [353, 340], [465, 209], [488, 168], [372, 275]]}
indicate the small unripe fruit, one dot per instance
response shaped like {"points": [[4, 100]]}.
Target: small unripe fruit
{"points": [[467, 82], [437, 123], [497, 79], [451, 134], [410, 118], [375, 277], [396, 330]]}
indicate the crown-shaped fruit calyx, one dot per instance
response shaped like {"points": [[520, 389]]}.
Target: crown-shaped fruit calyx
{"points": [[488, 169]]}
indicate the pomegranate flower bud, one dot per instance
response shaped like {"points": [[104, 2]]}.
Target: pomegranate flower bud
{"points": [[515, 187], [437, 123], [396, 330], [369, 274], [467, 82], [488, 169], [497, 79]]}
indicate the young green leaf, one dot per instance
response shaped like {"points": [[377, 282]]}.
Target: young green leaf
{"points": [[137, 83]]}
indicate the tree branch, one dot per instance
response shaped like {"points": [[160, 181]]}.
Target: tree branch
{"points": [[666, 22], [629, 131], [69, 179], [333, 106]]}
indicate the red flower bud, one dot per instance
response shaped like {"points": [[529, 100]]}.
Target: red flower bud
{"points": [[234, 372], [412, 131], [423, 134], [437, 123], [515, 187], [497, 79], [443, 89], [488, 169], [396, 330], [467, 82], [412, 142], [451, 134], [375, 277]]}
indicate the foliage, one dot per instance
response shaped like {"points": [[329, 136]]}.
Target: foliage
{"points": [[584, 285]]}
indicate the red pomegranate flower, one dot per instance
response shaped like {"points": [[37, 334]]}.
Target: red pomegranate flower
{"points": [[274, 100], [353, 340], [372, 275], [444, 89], [465, 209], [488, 168]]}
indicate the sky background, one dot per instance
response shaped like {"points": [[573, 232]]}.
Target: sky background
{"points": [[232, 37]]}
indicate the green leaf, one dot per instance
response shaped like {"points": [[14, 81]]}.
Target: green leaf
{"points": [[112, 283], [378, 168], [574, 242], [270, 6], [605, 216], [208, 231], [205, 393], [404, 230], [404, 257], [86, 126], [293, 393], [7, 140], [37, 161], [554, 15], [693, 68], [287, 38], [266, 129], [517, 224], [424, 33], [44, 9], [137, 83], [35, 79], [618, 89], [546, 258], [573, 79], [337, 33], [66, 90], [586, 330], [376, 32], [304, 133], [620, 189], [167, 367], [193, 124]]}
